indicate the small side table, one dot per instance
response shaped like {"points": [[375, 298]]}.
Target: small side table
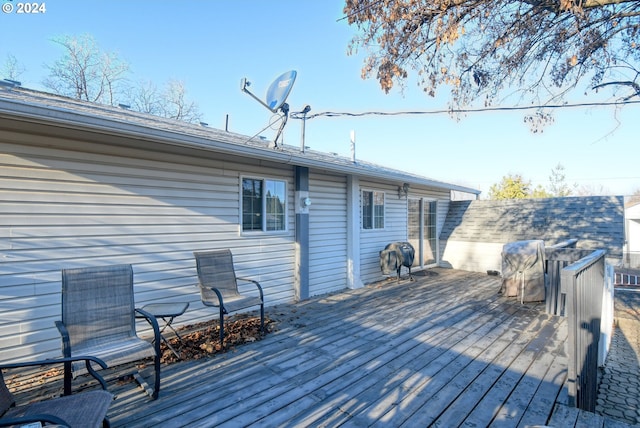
{"points": [[167, 312]]}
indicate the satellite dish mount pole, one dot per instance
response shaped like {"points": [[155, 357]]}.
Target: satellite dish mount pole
{"points": [[285, 111], [276, 96], [243, 85]]}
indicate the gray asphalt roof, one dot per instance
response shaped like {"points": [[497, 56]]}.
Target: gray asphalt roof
{"points": [[596, 221], [26, 104]]}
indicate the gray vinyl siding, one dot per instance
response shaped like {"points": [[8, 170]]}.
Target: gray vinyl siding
{"points": [[65, 208], [443, 209], [327, 233], [372, 241]]}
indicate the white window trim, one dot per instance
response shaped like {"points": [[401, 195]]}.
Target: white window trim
{"points": [[264, 232], [384, 213]]}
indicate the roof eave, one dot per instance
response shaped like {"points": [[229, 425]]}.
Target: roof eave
{"points": [[69, 119]]}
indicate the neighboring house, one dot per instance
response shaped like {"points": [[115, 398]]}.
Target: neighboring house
{"points": [[84, 184], [475, 231], [632, 252]]}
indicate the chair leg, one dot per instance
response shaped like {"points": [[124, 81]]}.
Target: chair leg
{"points": [[156, 388], [262, 319], [67, 377], [221, 324]]}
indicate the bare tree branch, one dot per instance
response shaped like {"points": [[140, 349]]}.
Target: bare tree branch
{"points": [[12, 69], [480, 48], [84, 72]]}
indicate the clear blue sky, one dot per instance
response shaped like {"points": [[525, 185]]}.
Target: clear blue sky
{"points": [[211, 45]]}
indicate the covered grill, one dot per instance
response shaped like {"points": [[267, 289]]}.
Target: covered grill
{"points": [[394, 256], [523, 270]]}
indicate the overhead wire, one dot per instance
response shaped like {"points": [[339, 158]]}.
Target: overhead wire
{"points": [[299, 115]]}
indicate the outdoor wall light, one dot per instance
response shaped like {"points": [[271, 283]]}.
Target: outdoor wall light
{"points": [[403, 190]]}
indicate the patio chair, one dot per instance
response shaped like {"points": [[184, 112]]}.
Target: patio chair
{"points": [[219, 286], [98, 319], [85, 409]]}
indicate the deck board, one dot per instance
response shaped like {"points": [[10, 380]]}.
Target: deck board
{"points": [[445, 350]]}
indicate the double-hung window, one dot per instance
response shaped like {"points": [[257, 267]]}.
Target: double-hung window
{"points": [[263, 205], [372, 210]]}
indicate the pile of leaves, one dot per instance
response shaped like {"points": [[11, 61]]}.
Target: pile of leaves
{"points": [[203, 339]]}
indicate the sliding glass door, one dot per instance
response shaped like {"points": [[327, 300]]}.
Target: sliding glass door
{"points": [[422, 231]]}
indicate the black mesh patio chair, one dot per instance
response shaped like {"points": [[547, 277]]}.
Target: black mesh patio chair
{"points": [[219, 286], [98, 319], [82, 410]]}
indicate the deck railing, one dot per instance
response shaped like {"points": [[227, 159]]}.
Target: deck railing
{"points": [[623, 278], [631, 259], [583, 284], [557, 257]]}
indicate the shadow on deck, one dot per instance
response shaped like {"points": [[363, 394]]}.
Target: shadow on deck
{"points": [[446, 350]]}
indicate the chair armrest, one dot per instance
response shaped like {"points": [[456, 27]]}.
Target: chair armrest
{"points": [[66, 360], [257, 284], [154, 324], [219, 294], [66, 342], [7, 422]]}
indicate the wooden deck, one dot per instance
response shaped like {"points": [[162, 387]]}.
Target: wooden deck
{"points": [[445, 350]]}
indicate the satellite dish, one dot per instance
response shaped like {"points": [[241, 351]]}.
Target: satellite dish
{"points": [[277, 93], [276, 96], [279, 90]]}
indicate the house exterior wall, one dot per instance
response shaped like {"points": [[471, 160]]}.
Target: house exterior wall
{"points": [[443, 209], [631, 257], [85, 185], [68, 208], [328, 233], [634, 235], [373, 241]]}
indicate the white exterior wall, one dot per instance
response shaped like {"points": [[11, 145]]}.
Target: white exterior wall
{"points": [[632, 217], [634, 235], [327, 233], [472, 256], [65, 209]]}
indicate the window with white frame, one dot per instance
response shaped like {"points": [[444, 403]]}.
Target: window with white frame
{"points": [[372, 210], [263, 205]]}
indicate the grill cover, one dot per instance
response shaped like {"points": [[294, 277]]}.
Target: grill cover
{"points": [[395, 255], [523, 270]]}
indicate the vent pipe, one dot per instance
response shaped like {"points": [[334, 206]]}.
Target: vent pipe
{"points": [[353, 146]]}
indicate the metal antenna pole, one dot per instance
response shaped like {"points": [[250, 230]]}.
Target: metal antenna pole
{"points": [[304, 120], [304, 112]]}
